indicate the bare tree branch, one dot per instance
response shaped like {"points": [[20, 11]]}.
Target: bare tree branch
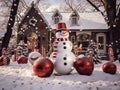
{"points": [[103, 2], [95, 7], [23, 3], [118, 10], [69, 3]]}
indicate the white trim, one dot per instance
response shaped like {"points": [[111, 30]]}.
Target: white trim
{"points": [[83, 32]]}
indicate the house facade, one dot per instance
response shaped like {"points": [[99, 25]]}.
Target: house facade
{"points": [[84, 27], [33, 29]]}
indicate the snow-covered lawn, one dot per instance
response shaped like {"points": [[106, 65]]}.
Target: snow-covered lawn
{"points": [[21, 77]]}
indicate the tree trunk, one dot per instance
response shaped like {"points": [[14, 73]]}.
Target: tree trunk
{"points": [[111, 11], [90, 2], [10, 24], [117, 36]]}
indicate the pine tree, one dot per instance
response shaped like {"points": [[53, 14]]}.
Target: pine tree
{"points": [[10, 24], [92, 49]]}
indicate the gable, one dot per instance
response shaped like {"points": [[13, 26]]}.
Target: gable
{"points": [[74, 14], [33, 20]]}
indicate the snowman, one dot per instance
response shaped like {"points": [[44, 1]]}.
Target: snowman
{"points": [[64, 58], [61, 41], [33, 56]]}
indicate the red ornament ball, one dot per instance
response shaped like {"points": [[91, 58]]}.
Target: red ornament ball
{"points": [[109, 67], [43, 67], [4, 61], [22, 60], [84, 66]]}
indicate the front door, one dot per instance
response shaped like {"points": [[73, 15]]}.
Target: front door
{"points": [[101, 39], [32, 40]]}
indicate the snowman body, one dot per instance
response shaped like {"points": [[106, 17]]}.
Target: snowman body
{"points": [[61, 37], [64, 62], [64, 46]]}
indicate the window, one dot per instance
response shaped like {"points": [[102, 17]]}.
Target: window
{"points": [[74, 21], [100, 39], [84, 37], [101, 42], [74, 17], [56, 19]]}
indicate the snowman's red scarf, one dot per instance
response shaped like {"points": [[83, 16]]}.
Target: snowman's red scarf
{"points": [[62, 39], [55, 45]]}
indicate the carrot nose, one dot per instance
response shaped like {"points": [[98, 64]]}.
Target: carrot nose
{"points": [[64, 32]]}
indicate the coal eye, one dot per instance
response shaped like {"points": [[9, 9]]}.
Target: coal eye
{"points": [[64, 43], [64, 58], [64, 47], [65, 63]]}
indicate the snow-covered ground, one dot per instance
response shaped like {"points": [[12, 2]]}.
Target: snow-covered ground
{"points": [[21, 77]]}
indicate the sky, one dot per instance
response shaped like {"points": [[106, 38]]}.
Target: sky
{"points": [[52, 2], [56, 4]]}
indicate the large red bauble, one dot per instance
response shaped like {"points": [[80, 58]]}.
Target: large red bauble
{"points": [[43, 67], [84, 66], [4, 61], [22, 60], [109, 67]]}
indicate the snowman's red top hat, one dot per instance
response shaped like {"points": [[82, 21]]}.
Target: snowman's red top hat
{"points": [[61, 27]]}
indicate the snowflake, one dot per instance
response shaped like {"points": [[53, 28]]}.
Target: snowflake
{"points": [[25, 26], [28, 16], [15, 4]]}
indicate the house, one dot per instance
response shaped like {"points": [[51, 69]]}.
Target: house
{"points": [[37, 27], [33, 29], [84, 27]]}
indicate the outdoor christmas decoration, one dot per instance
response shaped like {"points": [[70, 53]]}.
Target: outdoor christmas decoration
{"points": [[4, 60], [64, 46], [84, 66], [64, 63], [43, 67], [64, 58], [62, 38], [111, 53], [22, 60], [92, 50], [33, 56], [109, 67], [22, 49]]}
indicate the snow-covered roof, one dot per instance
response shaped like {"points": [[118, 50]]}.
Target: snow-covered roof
{"points": [[92, 20]]}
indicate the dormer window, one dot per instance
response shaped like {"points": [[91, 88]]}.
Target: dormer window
{"points": [[74, 21], [74, 18], [57, 17]]}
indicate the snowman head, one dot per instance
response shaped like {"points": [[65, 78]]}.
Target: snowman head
{"points": [[62, 34], [61, 30]]}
